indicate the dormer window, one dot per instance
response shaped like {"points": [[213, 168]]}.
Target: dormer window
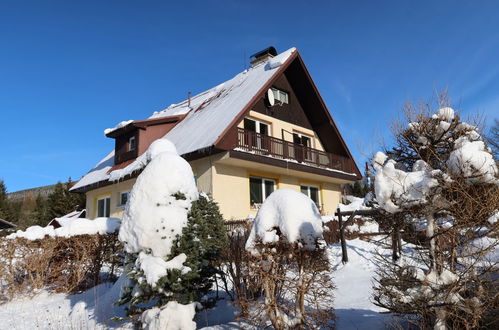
{"points": [[280, 96], [132, 144]]}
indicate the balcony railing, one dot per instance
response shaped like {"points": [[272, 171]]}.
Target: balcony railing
{"points": [[265, 145]]}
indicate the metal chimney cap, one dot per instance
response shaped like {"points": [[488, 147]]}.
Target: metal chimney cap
{"points": [[267, 51]]}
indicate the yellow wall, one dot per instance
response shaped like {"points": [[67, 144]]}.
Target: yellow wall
{"points": [[201, 168], [231, 189], [277, 126], [114, 191], [227, 180]]}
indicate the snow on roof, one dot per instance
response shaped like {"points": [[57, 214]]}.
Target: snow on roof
{"points": [[208, 113], [212, 111], [118, 126]]}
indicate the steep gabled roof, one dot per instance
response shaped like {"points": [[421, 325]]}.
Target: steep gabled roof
{"points": [[208, 116], [211, 112]]}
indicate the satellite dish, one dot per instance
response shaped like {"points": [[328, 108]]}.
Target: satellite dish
{"points": [[270, 97]]}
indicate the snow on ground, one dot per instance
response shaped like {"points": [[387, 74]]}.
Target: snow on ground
{"points": [[356, 203], [353, 306], [93, 308]]}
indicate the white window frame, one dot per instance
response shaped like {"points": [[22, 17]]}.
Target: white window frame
{"points": [[264, 191], [132, 138], [259, 143], [308, 155], [257, 127], [307, 136], [280, 95], [119, 197], [107, 204], [319, 204]]}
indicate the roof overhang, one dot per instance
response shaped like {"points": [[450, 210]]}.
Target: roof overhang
{"points": [[143, 124]]}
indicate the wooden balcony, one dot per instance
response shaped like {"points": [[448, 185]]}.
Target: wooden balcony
{"points": [[265, 145]]}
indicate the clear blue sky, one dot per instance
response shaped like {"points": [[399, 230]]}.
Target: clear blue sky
{"points": [[70, 69]]}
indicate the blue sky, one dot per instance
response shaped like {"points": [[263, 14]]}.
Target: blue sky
{"points": [[70, 69]]}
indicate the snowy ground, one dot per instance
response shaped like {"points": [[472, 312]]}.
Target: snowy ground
{"points": [[353, 306], [93, 308]]}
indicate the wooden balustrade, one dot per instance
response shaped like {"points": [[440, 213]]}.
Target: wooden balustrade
{"points": [[265, 145]]}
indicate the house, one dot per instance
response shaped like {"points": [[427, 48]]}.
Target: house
{"points": [[264, 129]]}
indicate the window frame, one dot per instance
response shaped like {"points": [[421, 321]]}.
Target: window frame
{"points": [[308, 194], [259, 142], [308, 136], [278, 93], [120, 200], [107, 205], [130, 139], [257, 125], [263, 188]]}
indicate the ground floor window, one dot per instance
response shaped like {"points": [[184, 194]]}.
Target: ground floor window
{"points": [[260, 189], [312, 192], [123, 198], [104, 207]]}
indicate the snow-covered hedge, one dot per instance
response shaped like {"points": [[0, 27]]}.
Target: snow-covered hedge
{"points": [[290, 264], [60, 264], [70, 228], [286, 216]]}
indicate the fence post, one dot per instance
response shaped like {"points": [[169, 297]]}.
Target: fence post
{"points": [[344, 253]]}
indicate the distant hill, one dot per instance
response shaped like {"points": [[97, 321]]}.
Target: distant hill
{"points": [[44, 192]]}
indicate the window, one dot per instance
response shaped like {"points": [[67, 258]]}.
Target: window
{"points": [[312, 192], [280, 95], [104, 207], [260, 189], [305, 141], [132, 143], [256, 126], [256, 140], [302, 139], [123, 198]]}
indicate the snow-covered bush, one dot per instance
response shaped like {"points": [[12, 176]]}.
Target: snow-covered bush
{"points": [[155, 215], [443, 174], [287, 245], [172, 237]]}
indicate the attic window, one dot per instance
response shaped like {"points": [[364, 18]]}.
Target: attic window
{"points": [[280, 95], [132, 143]]}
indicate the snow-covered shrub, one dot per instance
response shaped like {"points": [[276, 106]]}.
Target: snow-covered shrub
{"points": [[154, 220], [59, 264], [441, 173], [286, 242]]}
